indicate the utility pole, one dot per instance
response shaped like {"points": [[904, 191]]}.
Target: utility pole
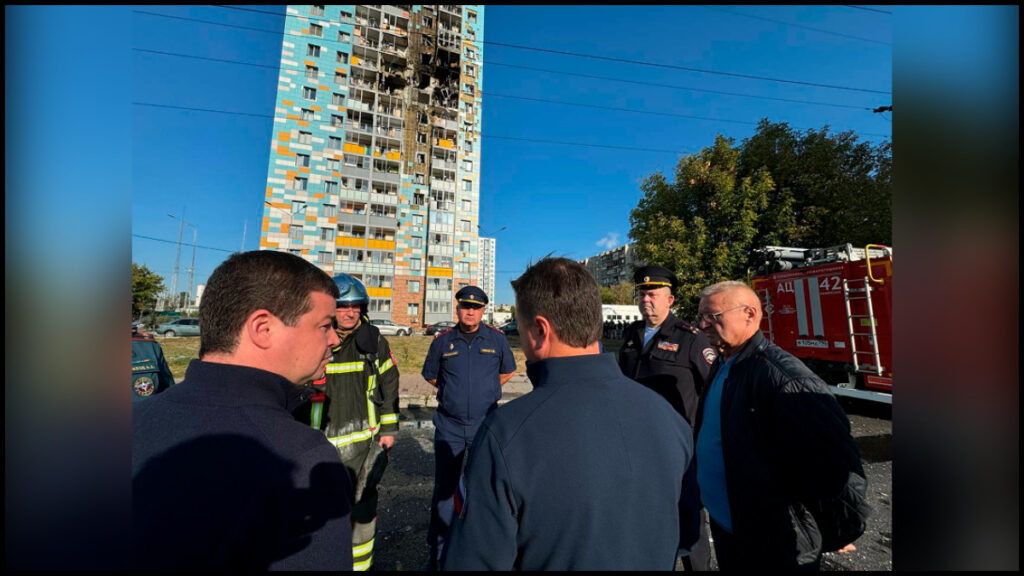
{"points": [[177, 257]]}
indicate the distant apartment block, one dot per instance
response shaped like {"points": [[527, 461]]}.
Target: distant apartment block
{"points": [[613, 266], [487, 251], [375, 158]]}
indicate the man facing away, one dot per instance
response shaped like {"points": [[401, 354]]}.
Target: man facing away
{"points": [[223, 477], [581, 472], [771, 440]]}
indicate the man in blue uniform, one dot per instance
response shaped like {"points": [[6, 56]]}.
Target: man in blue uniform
{"points": [[468, 364], [590, 470]]}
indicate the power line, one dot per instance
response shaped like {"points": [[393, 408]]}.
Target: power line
{"points": [[269, 117], [790, 24], [674, 86], [560, 52], [175, 242], [529, 99], [686, 68], [867, 9]]}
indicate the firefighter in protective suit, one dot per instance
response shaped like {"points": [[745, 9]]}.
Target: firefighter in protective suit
{"points": [[356, 405]]}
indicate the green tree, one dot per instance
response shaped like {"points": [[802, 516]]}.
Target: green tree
{"points": [[778, 187], [146, 285], [621, 293]]}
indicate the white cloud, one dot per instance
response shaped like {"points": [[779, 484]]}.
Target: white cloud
{"points": [[610, 241]]}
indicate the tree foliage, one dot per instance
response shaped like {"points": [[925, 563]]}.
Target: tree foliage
{"points": [[778, 187], [621, 293], [146, 285]]}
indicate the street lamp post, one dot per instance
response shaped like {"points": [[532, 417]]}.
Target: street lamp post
{"points": [[177, 260]]}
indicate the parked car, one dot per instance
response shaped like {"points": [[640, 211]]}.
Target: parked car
{"points": [[509, 329], [435, 329], [180, 327], [389, 328]]}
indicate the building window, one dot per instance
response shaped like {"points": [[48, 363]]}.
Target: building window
{"points": [[471, 53], [467, 166], [414, 286], [302, 160], [325, 258], [316, 30], [467, 205], [467, 185], [295, 251], [316, 10], [415, 264], [413, 310], [421, 158], [465, 226], [421, 138], [331, 187], [307, 115], [327, 234], [470, 17], [428, 22], [464, 245], [337, 121], [305, 137], [419, 178], [339, 77], [342, 57], [338, 99], [295, 232], [332, 164], [329, 211], [298, 206], [300, 184], [380, 305], [313, 50], [333, 143], [467, 145], [312, 73], [344, 37], [309, 93], [417, 219], [470, 71], [345, 16], [415, 242], [468, 88]]}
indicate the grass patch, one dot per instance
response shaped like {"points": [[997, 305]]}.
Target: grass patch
{"points": [[410, 352]]}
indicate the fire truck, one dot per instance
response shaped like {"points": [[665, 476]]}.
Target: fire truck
{"points": [[832, 308]]}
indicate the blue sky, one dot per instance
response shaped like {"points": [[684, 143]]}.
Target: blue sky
{"points": [[567, 200]]}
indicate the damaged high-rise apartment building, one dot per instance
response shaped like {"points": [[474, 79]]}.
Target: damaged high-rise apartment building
{"points": [[375, 160]]}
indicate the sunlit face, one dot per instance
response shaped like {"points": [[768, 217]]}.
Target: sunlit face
{"points": [[305, 349], [347, 315], [469, 315], [655, 304], [726, 319]]}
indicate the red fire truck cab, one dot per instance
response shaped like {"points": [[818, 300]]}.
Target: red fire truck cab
{"points": [[832, 308]]}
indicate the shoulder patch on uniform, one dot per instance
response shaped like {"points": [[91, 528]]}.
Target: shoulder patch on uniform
{"points": [[689, 327], [670, 346], [709, 355], [393, 360], [144, 386]]}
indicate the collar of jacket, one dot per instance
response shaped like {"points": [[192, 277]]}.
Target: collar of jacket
{"points": [[233, 385], [555, 371], [366, 337]]}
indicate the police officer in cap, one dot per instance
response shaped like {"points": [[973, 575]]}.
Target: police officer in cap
{"points": [[468, 364], [150, 373], [670, 356]]}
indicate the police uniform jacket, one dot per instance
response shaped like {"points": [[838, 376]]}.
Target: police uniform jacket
{"points": [[674, 363], [225, 479], [785, 441], [467, 369], [150, 373], [361, 389], [576, 475]]}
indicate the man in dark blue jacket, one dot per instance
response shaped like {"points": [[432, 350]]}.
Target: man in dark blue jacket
{"points": [[223, 477], [577, 474]]}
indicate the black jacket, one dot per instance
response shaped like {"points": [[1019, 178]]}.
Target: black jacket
{"points": [[674, 363], [785, 441], [225, 479], [579, 474]]}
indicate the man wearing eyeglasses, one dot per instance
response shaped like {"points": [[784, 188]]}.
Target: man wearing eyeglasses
{"points": [[671, 357], [770, 439]]}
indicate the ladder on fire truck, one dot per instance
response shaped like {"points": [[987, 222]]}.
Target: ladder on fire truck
{"points": [[855, 290]]}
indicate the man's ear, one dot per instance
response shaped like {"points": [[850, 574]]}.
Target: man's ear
{"points": [[259, 328]]}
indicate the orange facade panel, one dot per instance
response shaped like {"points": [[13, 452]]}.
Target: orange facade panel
{"points": [[394, 155], [284, 151], [445, 272], [284, 136], [379, 292], [287, 103], [355, 148], [380, 244], [344, 242]]}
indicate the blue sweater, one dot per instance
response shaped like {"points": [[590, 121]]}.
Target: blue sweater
{"points": [[589, 471], [224, 478]]}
